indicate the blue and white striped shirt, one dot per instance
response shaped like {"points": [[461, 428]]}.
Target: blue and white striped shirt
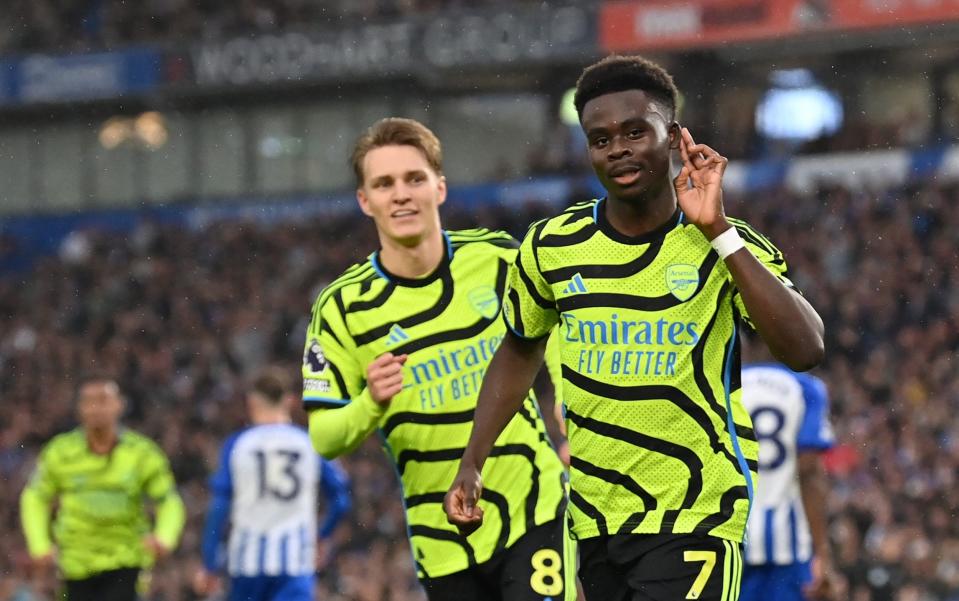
{"points": [[267, 483], [790, 413]]}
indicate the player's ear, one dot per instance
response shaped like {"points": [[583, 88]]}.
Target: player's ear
{"points": [[441, 187], [675, 133], [363, 201]]}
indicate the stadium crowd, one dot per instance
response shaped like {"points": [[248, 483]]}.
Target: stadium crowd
{"points": [[184, 316], [78, 25]]}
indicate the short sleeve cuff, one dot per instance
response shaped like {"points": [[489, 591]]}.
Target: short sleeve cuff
{"points": [[364, 399], [512, 330]]}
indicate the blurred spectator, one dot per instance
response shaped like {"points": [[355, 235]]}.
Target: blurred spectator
{"points": [[182, 315]]}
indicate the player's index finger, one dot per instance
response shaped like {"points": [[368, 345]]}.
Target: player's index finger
{"points": [[707, 150], [383, 359], [683, 150], [391, 369]]}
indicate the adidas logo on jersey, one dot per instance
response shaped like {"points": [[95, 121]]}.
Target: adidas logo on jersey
{"points": [[575, 285], [397, 335]]}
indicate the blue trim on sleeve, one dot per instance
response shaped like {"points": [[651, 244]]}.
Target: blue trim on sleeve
{"points": [[335, 486], [310, 402], [815, 432], [514, 332]]}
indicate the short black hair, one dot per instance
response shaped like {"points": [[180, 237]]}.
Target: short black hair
{"points": [[272, 384], [617, 73], [96, 377]]}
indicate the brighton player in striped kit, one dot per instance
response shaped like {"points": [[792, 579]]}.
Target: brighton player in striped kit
{"points": [[787, 546], [267, 484]]}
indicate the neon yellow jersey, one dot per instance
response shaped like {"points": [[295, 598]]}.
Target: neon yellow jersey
{"points": [[448, 323], [659, 439], [101, 520]]}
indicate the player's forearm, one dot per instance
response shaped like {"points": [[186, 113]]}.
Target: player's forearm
{"points": [[170, 518], [505, 385], [216, 517], [338, 431], [813, 489], [546, 397], [335, 512], [35, 519], [786, 321], [336, 490]]}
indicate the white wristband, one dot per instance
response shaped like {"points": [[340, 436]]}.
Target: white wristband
{"points": [[727, 243]]}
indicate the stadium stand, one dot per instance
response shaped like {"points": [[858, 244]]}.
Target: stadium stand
{"points": [[183, 315], [203, 289], [76, 25]]}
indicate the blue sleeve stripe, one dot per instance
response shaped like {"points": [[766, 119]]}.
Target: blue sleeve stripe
{"points": [[284, 560], [311, 402], [514, 332], [815, 432], [261, 555], [768, 536], [812, 446], [793, 534]]}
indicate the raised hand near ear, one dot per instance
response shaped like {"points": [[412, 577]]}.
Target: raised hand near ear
{"points": [[699, 186]]}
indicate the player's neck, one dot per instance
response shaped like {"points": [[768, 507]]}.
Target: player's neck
{"points": [[638, 217], [101, 440], [266, 416], [413, 261]]}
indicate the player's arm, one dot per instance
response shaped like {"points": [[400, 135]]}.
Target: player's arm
{"points": [[340, 430], [505, 385], [814, 488], [814, 438], [551, 399], [345, 401], [335, 486], [335, 432], [36, 502], [786, 321], [530, 313], [214, 528], [550, 409], [170, 512], [218, 511]]}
